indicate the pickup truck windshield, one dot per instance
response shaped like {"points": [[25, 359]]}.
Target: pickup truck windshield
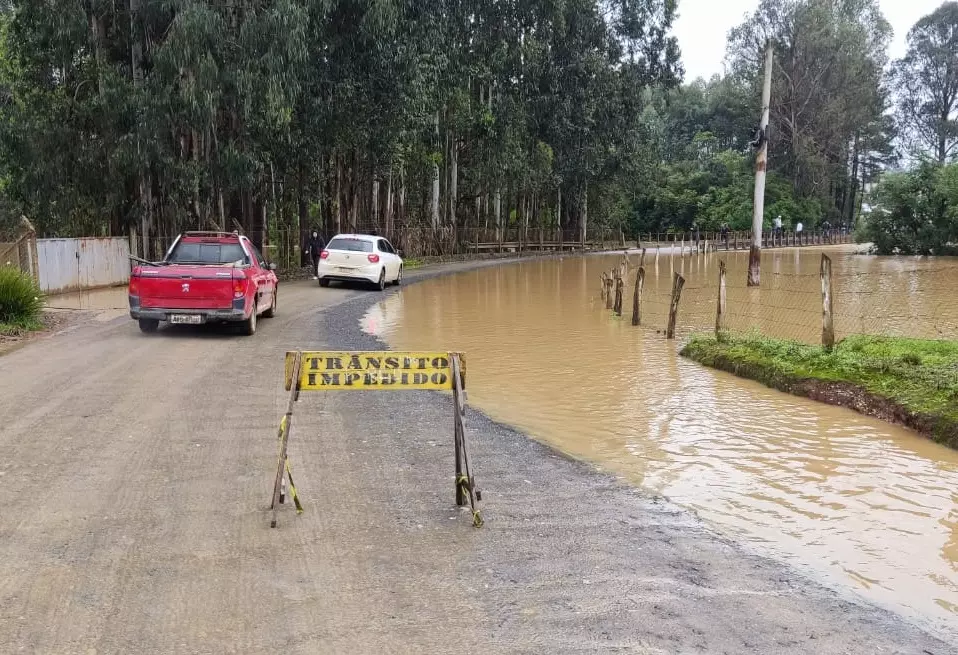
{"points": [[352, 245], [207, 253]]}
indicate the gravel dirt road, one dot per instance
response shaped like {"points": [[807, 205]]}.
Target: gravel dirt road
{"points": [[135, 475]]}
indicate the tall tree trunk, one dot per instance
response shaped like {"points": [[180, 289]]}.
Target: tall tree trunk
{"points": [[302, 204], [453, 179], [354, 205], [195, 156], [144, 182], [848, 211], [497, 203], [374, 201], [434, 205], [98, 30], [338, 209], [559, 209], [401, 214], [584, 215], [389, 205]]}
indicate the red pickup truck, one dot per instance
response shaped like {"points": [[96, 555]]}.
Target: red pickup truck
{"points": [[206, 277]]}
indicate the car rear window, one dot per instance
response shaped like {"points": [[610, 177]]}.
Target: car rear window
{"points": [[207, 253], [352, 245]]}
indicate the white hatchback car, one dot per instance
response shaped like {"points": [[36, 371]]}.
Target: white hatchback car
{"points": [[359, 258]]}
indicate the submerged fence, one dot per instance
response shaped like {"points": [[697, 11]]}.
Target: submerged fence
{"points": [[797, 298]]}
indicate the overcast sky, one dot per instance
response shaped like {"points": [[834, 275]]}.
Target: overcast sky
{"points": [[703, 25]]}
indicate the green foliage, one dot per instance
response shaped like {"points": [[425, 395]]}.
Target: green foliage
{"points": [[926, 80], [21, 300], [714, 190], [170, 115], [191, 114], [918, 375], [916, 212]]}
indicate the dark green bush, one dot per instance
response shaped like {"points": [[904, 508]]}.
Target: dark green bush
{"points": [[21, 300]]}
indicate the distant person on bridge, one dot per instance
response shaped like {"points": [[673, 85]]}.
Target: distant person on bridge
{"points": [[314, 247]]}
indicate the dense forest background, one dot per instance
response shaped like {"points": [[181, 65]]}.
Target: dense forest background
{"points": [[429, 120]]}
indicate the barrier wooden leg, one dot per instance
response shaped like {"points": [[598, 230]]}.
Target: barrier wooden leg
{"points": [[282, 464], [466, 486], [460, 493]]}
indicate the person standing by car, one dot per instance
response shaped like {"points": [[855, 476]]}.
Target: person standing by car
{"points": [[314, 247]]}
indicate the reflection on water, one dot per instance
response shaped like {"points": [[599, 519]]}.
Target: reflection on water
{"points": [[862, 501]]}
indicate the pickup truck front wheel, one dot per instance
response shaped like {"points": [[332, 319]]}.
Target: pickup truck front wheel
{"points": [[248, 327], [149, 325]]}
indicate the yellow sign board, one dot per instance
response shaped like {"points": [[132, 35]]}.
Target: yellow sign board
{"points": [[381, 371]]}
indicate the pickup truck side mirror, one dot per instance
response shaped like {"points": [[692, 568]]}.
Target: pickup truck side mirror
{"points": [[271, 266]]}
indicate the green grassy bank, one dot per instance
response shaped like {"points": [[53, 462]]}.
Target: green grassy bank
{"points": [[913, 382]]}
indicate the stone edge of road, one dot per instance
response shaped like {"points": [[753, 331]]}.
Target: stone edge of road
{"points": [[341, 330]]}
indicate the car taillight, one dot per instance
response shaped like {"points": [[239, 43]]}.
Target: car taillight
{"points": [[134, 285], [373, 259], [239, 287], [324, 254]]}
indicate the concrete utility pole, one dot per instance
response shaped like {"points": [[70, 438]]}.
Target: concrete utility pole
{"points": [[761, 163]]}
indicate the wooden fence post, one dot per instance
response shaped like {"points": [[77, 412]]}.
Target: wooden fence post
{"points": [[602, 282], [619, 289], [610, 290], [720, 309], [828, 325], [677, 283], [637, 298]]}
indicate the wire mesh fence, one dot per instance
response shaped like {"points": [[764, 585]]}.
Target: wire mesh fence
{"points": [[871, 296], [18, 249]]}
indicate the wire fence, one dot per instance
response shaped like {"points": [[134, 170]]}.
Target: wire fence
{"points": [[907, 298], [19, 251], [287, 247]]}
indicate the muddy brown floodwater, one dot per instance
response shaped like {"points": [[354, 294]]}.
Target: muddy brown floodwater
{"points": [[848, 498]]}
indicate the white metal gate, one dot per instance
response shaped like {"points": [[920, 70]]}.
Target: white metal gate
{"points": [[71, 264]]}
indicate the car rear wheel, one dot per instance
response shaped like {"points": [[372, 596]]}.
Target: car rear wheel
{"points": [[381, 285], [149, 325], [398, 280], [323, 282], [248, 327], [271, 312]]}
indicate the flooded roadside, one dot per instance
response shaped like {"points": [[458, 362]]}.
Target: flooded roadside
{"points": [[863, 502]]}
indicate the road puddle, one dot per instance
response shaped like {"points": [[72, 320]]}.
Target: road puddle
{"points": [[107, 303], [862, 502]]}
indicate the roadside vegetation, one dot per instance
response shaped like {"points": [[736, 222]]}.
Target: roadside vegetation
{"points": [[430, 120], [21, 302], [916, 212], [909, 381], [427, 119]]}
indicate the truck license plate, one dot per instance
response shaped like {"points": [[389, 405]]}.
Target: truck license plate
{"points": [[189, 319]]}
